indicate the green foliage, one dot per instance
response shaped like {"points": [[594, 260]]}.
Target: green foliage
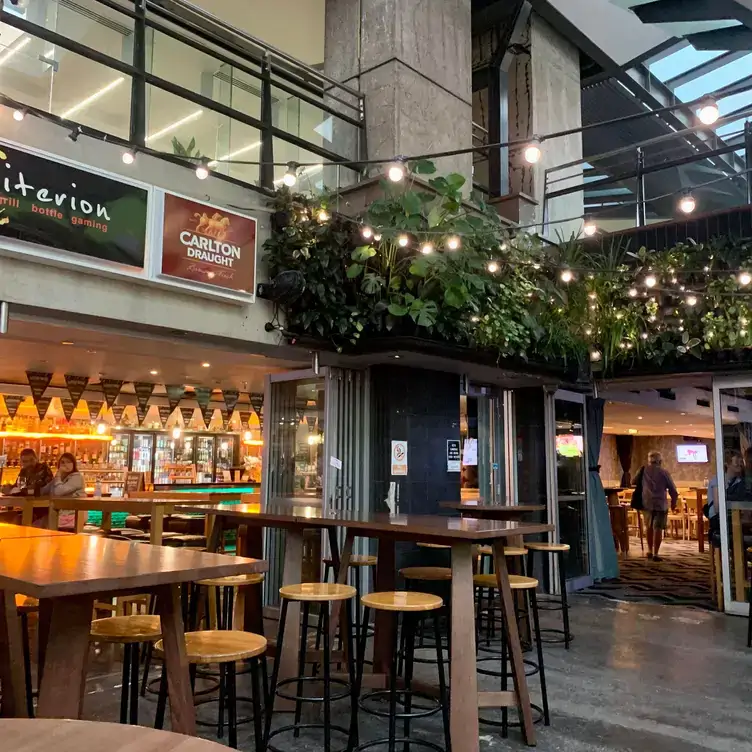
{"points": [[522, 309], [190, 151]]}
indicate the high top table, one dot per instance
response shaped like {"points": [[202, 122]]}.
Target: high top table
{"points": [[67, 572], [487, 511], [459, 533]]}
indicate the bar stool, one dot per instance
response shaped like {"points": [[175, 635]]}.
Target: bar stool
{"points": [[224, 598], [130, 632], [223, 647], [307, 593], [516, 560], [26, 605], [526, 585], [357, 568], [554, 603], [412, 606]]}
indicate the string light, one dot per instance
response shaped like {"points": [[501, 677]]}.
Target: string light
{"points": [[566, 275], [202, 171], [708, 113], [632, 292], [650, 280], [593, 295], [323, 215], [290, 178], [595, 355], [367, 233], [687, 203], [377, 237], [533, 153], [589, 228], [426, 248], [745, 278], [644, 335], [588, 332], [19, 115], [403, 240], [453, 243], [691, 300], [128, 157], [396, 171], [475, 319], [493, 267]]}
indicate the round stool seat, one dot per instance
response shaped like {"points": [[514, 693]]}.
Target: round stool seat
{"points": [[402, 600], [358, 561], [26, 603], [516, 581], [426, 573], [433, 545], [220, 646], [236, 580], [508, 551], [317, 591], [126, 629], [549, 547]]}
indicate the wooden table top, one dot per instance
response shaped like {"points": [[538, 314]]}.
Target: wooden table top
{"points": [[55, 566], [429, 528], [43, 734], [511, 509], [113, 504], [14, 532]]}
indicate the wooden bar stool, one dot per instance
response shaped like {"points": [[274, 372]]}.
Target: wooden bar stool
{"points": [[26, 605], [527, 586], [357, 569], [224, 647], [130, 632], [554, 603], [412, 575], [516, 562], [308, 593], [412, 606], [224, 598]]}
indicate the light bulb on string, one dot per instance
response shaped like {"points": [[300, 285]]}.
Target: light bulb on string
{"points": [[202, 171], [128, 157], [323, 215], [396, 171], [588, 332], [377, 237], [595, 355], [367, 233], [291, 175], [691, 300], [426, 248], [492, 267], [589, 228], [453, 243], [532, 152], [708, 112], [593, 295], [650, 280], [566, 275], [744, 278], [403, 240], [19, 115], [687, 204], [644, 335], [632, 292]]}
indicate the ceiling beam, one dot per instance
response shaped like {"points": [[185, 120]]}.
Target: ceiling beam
{"points": [[733, 38], [704, 68], [678, 11]]}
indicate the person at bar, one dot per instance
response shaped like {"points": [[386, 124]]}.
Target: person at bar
{"points": [[32, 478], [656, 482], [69, 482]]}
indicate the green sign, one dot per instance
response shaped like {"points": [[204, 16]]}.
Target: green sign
{"points": [[48, 203]]}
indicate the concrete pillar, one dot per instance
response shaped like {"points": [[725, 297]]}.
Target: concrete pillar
{"points": [[544, 97], [411, 59]]}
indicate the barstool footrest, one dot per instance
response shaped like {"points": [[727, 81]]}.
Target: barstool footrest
{"points": [[514, 724], [308, 679], [303, 727], [563, 637], [422, 710], [400, 740]]}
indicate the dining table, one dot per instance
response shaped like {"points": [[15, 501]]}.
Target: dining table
{"points": [[488, 511], [67, 572], [461, 534]]}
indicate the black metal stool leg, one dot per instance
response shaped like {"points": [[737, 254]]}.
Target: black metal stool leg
{"points": [[504, 680], [564, 601], [393, 692], [443, 698], [161, 700], [275, 673], [258, 733], [408, 629], [27, 664], [352, 646], [126, 684], [232, 703], [222, 699], [303, 649], [327, 667], [355, 624], [541, 670], [135, 663]]}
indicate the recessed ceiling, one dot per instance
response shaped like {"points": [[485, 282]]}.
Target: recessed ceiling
{"points": [[623, 418]]}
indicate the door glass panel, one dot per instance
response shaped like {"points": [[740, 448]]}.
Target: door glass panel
{"points": [[482, 438], [736, 441], [570, 483]]}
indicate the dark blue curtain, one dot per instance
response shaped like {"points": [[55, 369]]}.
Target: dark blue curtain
{"points": [[604, 563]]}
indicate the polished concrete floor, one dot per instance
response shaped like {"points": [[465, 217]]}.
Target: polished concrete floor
{"points": [[637, 677]]}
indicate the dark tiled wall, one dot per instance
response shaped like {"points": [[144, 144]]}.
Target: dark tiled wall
{"points": [[423, 408], [531, 445]]}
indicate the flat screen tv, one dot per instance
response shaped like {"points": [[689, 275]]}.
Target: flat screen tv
{"points": [[569, 445], [692, 453]]}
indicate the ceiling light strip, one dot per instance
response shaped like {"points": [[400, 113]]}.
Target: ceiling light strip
{"points": [[172, 126], [92, 98]]}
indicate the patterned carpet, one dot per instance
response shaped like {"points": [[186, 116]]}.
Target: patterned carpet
{"points": [[681, 579]]}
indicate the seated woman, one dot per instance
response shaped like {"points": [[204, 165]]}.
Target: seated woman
{"points": [[67, 482]]}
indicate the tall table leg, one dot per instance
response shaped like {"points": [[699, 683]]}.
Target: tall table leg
{"points": [[463, 698], [65, 653], [291, 575], [11, 659], [515, 649], [182, 712], [341, 563], [383, 640]]}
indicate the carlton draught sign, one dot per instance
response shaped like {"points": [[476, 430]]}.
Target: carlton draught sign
{"points": [[203, 243], [47, 202]]}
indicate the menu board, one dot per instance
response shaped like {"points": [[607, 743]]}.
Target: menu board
{"points": [[134, 482]]}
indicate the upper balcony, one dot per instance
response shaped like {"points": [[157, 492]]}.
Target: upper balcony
{"points": [[168, 76]]}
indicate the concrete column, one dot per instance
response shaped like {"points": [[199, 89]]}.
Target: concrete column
{"points": [[544, 97], [411, 59]]}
